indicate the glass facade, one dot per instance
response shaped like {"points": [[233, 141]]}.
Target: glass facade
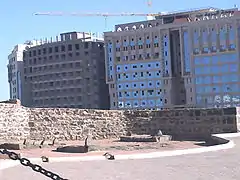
{"points": [[139, 85], [201, 60], [222, 37], [217, 80], [110, 69], [187, 65], [166, 55]]}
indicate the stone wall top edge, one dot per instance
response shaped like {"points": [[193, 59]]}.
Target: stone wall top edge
{"points": [[75, 109], [9, 105]]}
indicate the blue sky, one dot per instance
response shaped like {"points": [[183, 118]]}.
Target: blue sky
{"points": [[18, 23]]}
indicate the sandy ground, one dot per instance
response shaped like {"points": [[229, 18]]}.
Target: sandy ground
{"points": [[99, 147]]}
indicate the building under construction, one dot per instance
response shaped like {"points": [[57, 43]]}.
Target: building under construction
{"points": [[188, 58], [65, 72]]}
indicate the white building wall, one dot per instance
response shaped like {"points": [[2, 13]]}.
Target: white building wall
{"points": [[15, 60]]}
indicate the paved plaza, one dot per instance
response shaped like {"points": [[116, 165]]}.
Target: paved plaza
{"points": [[220, 165]]}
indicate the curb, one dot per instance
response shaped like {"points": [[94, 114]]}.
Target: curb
{"points": [[230, 144], [228, 135]]}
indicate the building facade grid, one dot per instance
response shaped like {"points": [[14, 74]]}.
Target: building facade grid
{"points": [[184, 59], [66, 73]]}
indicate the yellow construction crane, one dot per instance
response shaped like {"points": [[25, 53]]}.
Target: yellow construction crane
{"points": [[105, 15]]}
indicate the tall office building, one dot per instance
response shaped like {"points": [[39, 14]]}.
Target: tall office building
{"points": [[189, 58], [68, 72], [15, 67]]}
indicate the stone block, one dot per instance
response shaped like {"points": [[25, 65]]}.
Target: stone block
{"points": [[10, 146], [31, 124], [72, 149], [230, 111], [139, 138], [197, 112], [214, 112]]}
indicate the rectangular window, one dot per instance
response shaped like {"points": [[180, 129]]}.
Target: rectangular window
{"points": [[186, 52]]}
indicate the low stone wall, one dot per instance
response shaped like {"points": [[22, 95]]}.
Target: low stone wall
{"points": [[17, 122], [184, 123], [14, 122], [76, 123]]}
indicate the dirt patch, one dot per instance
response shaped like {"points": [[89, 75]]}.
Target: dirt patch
{"points": [[115, 144], [99, 147]]}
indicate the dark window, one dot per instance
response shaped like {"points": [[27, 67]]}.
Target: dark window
{"points": [[50, 50], [85, 45], [56, 49], [62, 48], [77, 46], [69, 47]]}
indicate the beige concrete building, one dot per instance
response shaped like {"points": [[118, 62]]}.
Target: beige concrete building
{"points": [[66, 73], [15, 67], [188, 58]]}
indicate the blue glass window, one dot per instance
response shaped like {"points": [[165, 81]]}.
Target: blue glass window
{"points": [[199, 80], [140, 42], [205, 35], [119, 94], [151, 103], [159, 103], [208, 89], [216, 89], [199, 99], [128, 104], [227, 88], [232, 78], [195, 37], [186, 52], [118, 68], [157, 65], [199, 89], [143, 103], [120, 86], [135, 103], [207, 80], [158, 83], [214, 35], [231, 34], [233, 67], [125, 43], [217, 79], [235, 87], [222, 34], [120, 104]]}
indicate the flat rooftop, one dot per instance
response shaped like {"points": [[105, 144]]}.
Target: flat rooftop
{"points": [[183, 16]]}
